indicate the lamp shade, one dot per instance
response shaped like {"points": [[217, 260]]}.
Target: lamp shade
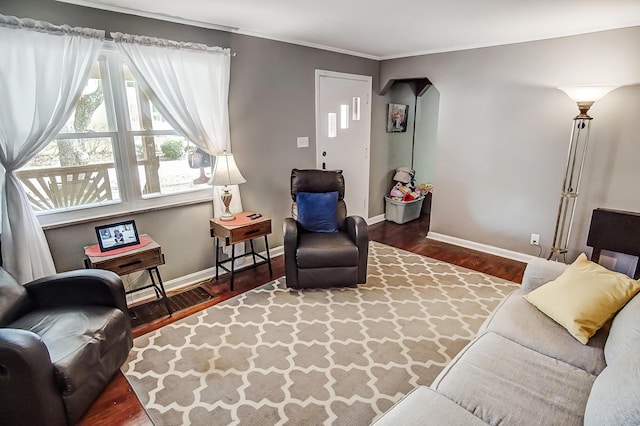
{"points": [[226, 171], [589, 93]]}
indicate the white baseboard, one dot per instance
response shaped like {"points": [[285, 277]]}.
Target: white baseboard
{"points": [[375, 219], [497, 251], [194, 278]]}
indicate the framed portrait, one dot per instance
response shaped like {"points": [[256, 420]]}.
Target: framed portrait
{"points": [[397, 115]]}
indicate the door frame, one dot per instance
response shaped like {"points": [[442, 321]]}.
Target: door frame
{"points": [[364, 78]]}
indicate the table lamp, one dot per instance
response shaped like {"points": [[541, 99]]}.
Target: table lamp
{"points": [[226, 173]]}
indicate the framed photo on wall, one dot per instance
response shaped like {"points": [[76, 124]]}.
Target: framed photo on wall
{"points": [[397, 115]]}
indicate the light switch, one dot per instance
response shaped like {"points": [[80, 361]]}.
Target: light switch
{"points": [[303, 142]]}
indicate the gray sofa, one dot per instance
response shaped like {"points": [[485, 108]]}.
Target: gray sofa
{"points": [[525, 369]]}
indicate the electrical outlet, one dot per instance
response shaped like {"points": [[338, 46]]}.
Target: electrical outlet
{"points": [[535, 240]]}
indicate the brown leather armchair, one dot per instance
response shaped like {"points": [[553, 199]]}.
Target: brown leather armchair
{"points": [[62, 338], [324, 259]]}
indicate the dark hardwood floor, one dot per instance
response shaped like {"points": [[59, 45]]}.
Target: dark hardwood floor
{"points": [[411, 237], [118, 405]]}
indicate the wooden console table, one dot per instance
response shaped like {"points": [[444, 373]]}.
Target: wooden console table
{"points": [[147, 257], [242, 228]]}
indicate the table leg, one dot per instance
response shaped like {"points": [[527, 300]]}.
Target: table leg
{"points": [[266, 245], [159, 285], [253, 253], [217, 250], [233, 257]]}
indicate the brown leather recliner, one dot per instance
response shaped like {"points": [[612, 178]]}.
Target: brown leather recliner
{"points": [[62, 338], [324, 259]]}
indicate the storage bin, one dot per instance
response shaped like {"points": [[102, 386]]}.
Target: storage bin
{"points": [[402, 211]]}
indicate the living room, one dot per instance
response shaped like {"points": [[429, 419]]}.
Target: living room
{"points": [[503, 128]]}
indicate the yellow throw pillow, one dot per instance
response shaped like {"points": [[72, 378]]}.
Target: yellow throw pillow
{"points": [[584, 297]]}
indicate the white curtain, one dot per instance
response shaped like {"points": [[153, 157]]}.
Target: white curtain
{"points": [[44, 70], [189, 84]]}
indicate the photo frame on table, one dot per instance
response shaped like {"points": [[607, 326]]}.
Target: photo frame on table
{"points": [[117, 235], [397, 116]]}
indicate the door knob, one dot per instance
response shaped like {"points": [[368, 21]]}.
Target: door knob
{"points": [[324, 153]]}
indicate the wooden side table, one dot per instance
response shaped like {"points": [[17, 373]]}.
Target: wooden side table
{"points": [[242, 228], [147, 257]]}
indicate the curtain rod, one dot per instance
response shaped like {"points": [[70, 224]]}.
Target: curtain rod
{"points": [[109, 39]]}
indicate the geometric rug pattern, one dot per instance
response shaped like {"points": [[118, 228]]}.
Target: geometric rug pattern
{"points": [[340, 356]]}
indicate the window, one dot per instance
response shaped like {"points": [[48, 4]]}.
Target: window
{"points": [[116, 153]]}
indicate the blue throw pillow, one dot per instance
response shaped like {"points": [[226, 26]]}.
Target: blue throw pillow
{"points": [[317, 211]]}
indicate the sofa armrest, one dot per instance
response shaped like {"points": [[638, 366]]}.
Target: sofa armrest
{"points": [[539, 272], [27, 381], [424, 406], [79, 287], [358, 231]]}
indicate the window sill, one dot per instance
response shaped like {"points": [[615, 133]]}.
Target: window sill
{"points": [[115, 215]]}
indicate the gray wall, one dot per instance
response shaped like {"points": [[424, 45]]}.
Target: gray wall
{"points": [[424, 158], [503, 132], [271, 102]]}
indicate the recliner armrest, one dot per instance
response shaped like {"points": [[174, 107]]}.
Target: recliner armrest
{"points": [[290, 235], [290, 231], [29, 392], [79, 287], [358, 231]]}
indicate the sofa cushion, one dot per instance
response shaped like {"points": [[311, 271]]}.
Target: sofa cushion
{"points": [[502, 382], [615, 394], [326, 249], [519, 321], [424, 406], [625, 331], [77, 338], [584, 297], [541, 271]]}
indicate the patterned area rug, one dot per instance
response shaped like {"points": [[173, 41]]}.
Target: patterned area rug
{"points": [[272, 356]]}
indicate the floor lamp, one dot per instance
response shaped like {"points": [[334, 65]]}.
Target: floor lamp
{"points": [[584, 96]]}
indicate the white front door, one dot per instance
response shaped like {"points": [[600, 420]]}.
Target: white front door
{"points": [[343, 133]]}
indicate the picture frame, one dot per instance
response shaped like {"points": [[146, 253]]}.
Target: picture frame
{"points": [[117, 235], [397, 117]]}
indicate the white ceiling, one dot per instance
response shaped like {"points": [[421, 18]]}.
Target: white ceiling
{"points": [[386, 29]]}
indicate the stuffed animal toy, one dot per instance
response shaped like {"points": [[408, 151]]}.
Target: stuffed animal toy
{"points": [[425, 188], [396, 192], [410, 196]]}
